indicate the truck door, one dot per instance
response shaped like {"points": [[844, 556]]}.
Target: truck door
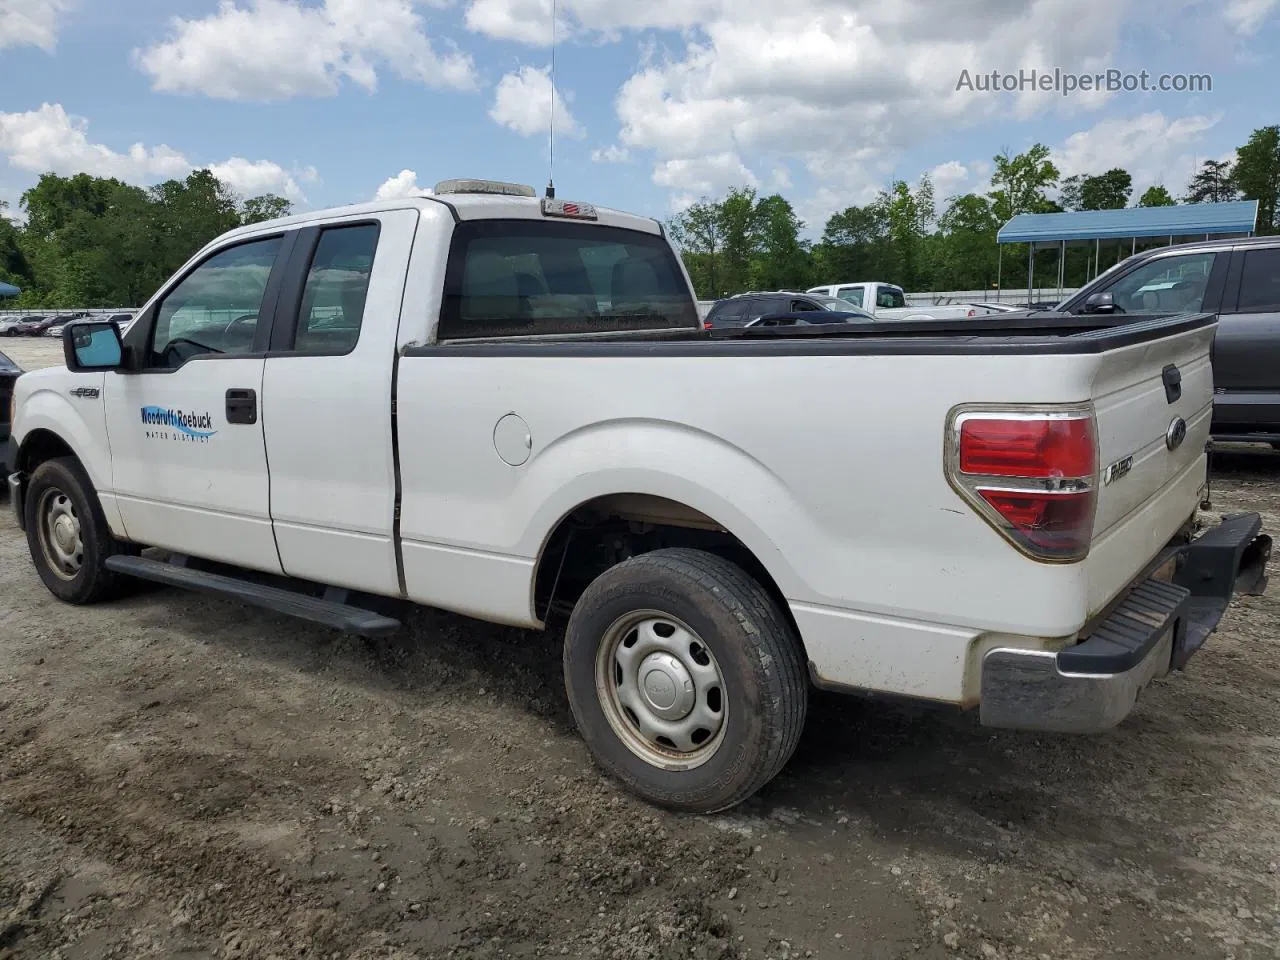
{"points": [[1246, 348], [188, 465], [327, 394]]}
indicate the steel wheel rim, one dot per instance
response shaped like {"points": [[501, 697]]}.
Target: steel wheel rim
{"points": [[59, 532], [661, 690]]}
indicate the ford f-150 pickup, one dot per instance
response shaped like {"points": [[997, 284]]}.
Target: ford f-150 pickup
{"points": [[506, 406]]}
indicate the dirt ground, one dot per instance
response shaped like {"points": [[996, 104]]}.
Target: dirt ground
{"points": [[185, 777]]}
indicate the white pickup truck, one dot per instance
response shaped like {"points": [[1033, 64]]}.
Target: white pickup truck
{"points": [[888, 301], [506, 406]]}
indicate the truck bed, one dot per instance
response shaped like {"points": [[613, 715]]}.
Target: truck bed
{"points": [[997, 334]]}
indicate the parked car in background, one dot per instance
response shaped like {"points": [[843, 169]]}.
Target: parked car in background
{"points": [[9, 326], [28, 326], [888, 301], [743, 309], [9, 373], [1238, 281]]}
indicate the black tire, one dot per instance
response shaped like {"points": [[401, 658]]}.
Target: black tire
{"points": [[757, 654], [56, 484]]}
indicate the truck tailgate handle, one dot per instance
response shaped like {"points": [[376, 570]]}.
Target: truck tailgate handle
{"points": [[242, 405], [1172, 378]]}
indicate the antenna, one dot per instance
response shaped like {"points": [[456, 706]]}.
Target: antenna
{"points": [[551, 187]]}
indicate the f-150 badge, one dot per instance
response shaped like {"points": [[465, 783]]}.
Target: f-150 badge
{"points": [[1116, 470]]}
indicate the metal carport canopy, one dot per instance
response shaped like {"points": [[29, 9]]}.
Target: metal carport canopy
{"points": [[1182, 220], [8, 290]]}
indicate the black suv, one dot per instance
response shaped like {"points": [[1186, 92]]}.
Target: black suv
{"points": [[745, 309], [1239, 280]]}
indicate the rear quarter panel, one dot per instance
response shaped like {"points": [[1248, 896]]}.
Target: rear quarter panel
{"points": [[829, 468]]}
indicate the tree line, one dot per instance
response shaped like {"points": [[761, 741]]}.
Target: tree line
{"points": [[94, 241], [745, 241]]}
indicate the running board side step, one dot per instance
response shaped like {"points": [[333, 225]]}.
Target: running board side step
{"points": [[340, 616]]}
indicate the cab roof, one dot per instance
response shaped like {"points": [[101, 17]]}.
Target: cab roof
{"points": [[464, 206]]}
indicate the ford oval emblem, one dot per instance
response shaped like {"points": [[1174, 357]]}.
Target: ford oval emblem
{"points": [[1176, 433]]}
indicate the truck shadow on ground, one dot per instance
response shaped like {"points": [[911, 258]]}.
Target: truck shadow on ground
{"points": [[928, 777]]}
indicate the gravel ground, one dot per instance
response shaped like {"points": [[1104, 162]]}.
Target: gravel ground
{"points": [[185, 777]]}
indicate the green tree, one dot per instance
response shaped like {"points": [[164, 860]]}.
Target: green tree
{"points": [[697, 231], [909, 215], [740, 230], [98, 241], [1071, 193], [1257, 175], [265, 207], [1107, 191], [1020, 182], [1213, 183], [854, 245], [14, 268], [782, 259], [1156, 196], [968, 253]]}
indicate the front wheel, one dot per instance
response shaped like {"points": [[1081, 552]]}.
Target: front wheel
{"points": [[685, 679], [68, 535]]}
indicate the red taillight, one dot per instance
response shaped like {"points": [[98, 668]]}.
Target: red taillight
{"points": [[706, 324], [1031, 474], [1054, 524], [1027, 448], [971, 313]]}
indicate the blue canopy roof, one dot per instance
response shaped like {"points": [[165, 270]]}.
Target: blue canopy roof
{"points": [[8, 290], [1182, 220]]}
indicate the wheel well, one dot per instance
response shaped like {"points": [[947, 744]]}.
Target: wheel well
{"points": [[39, 446], [607, 530]]}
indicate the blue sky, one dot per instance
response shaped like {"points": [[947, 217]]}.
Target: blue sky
{"points": [[328, 101]]}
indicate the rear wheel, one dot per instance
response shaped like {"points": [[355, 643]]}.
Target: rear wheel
{"points": [[685, 679], [68, 536]]}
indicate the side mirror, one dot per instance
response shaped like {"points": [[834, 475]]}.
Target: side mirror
{"points": [[1100, 303], [92, 345]]}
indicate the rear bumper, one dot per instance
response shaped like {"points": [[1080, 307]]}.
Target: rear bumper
{"points": [[1157, 627]]}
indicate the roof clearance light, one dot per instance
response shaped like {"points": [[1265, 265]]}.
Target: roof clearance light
{"points": [[568, 209], [484, 186]]}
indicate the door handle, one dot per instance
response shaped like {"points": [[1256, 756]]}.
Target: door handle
{"points": [[242, 405]]}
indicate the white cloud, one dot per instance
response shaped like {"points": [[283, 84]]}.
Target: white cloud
{"points": [[51, 140], [31, 23], [529, 21], [522, 102], [277, 49], [1152, 147], [403, 184], [948, 178], [710, 174], [836, 88], [1248, 16], [250, 178], [611, 154]]}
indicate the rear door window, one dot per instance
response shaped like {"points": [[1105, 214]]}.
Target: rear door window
{"points": [[852, 294], [1260, 282], [534, 277]]}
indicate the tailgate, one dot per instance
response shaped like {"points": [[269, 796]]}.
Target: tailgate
{"points": [[1154, 404]]}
